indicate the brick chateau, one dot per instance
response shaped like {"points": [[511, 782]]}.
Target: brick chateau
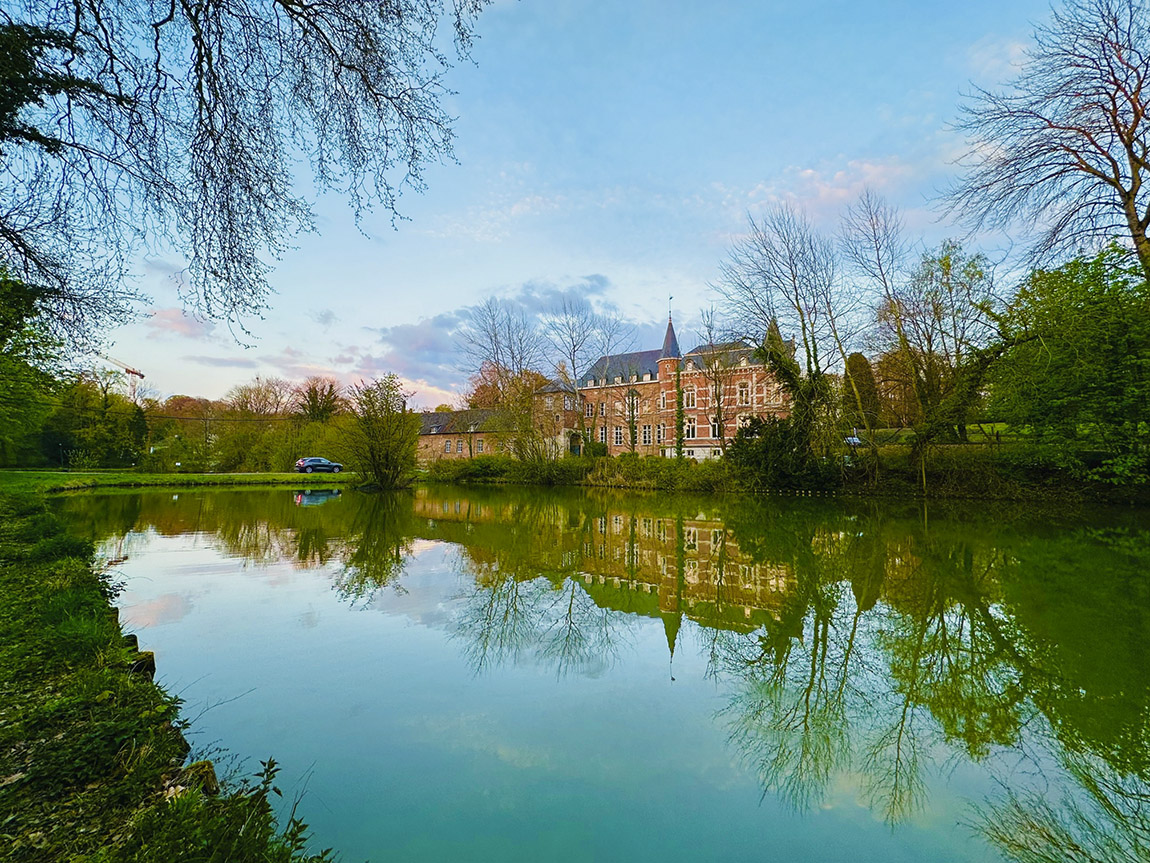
{"points": [[629, 402]]}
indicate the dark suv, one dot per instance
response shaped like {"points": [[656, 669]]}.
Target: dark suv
{"points": [[312, 465]]}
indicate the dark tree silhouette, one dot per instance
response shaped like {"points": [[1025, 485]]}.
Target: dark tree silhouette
{"points": [[172, 126], [1066, 145]]}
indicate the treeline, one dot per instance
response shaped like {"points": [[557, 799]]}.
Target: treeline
{"points": [[1053, 375], [83, 420], [50, 417]]}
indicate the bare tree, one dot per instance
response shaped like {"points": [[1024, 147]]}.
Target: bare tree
{"points": [[174, 125], [505, 349], [785, 275], [1067, 144], [263, 397], [720, 358]]}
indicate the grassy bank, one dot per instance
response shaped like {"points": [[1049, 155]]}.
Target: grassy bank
{"points": [[966, 471], [25, 481], [92, 754]]}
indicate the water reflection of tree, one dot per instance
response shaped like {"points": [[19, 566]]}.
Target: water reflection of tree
{"points": [[895, 641], [557, 624], [1106, 821], [789, 716], [378, 543], [812, 703], [524, 602]]}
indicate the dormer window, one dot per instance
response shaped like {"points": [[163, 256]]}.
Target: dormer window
{"points": [[743, 361], [647, 376], [690, 365], [634, 378], [618, 379]]}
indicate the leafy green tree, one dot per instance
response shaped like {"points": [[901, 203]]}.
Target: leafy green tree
{"points": [[26, 358], [381, 438], [938, 323], [1079, 375]]}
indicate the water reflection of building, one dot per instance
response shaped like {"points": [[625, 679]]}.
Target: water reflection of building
{"points": [[626, 560]]}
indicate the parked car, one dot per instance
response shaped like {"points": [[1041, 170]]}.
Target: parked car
{"points": [[320, 465]]}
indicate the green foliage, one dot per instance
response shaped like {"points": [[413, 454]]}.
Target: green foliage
{"points": [[195, 826], [381, 439], [1078, 374], [26, 354], [87, 745], [772, 453]]}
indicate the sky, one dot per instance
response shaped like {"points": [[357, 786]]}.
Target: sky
{"points": [[611, 151]]}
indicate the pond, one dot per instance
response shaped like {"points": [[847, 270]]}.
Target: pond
{"points": [[473, 674]]}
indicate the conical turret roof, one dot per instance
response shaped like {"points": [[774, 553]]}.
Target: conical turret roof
{"points": [[670, 343]]}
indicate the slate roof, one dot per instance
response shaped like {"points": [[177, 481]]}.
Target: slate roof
{"points": [[670, 342], [456, 422], [730, 351], [624, 365], [557, 387]]}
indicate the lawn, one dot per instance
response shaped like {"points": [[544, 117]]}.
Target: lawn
{"points": [[31, 481]]}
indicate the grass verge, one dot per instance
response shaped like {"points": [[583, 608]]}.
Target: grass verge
{"points": [[47, 481], [91, 750]]}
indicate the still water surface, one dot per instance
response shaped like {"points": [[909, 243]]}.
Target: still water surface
{"points": [[511, 674]]}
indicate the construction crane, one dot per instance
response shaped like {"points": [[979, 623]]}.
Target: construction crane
{"points": [[133, 374]]}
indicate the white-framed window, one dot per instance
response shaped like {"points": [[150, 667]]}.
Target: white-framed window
{"points": [[447, 445], [659, 431], [459, 445], [602, 409], [689, 428], [646, 435], [689, 397], [479, 445], [715, 427], [618, 409], [618, 435], [744, 392], [602, 434], [589, 409], [618, 379], [662, 401], [550, 402], [567, 403], [690, 538]]}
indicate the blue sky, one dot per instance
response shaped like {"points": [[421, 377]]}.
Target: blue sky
{"points": [[612, 150]]}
